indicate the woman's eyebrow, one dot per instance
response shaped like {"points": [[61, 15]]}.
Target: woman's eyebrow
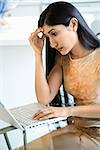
{"points": [[51, 30]]}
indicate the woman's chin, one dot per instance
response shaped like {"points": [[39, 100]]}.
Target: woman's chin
{"points": [[63, 52]]}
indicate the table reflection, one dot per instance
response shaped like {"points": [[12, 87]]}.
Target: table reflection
{"points": [[67, 138]]}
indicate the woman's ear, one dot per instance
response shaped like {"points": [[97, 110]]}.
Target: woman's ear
{"points": [[73, 24]]}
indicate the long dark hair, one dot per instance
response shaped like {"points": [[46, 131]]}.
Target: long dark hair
{"points": [[61, 13]]}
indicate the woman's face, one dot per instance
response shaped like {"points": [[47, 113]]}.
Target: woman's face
{"points": [[61, 38]]}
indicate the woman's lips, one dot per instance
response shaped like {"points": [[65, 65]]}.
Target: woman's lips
{"points": [[60, 49]]}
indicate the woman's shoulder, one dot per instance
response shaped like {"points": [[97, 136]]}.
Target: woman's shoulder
{"points": [[98, 53], [98, 50], [97, 58]]}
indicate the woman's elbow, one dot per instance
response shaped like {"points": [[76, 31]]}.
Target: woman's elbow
{"points": [[44, 101]]}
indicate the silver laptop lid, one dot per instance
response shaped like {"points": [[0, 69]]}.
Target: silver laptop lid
{"points": [[6, 116]]}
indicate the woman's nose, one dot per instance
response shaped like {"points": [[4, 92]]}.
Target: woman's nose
{"points": [[53, 43]]}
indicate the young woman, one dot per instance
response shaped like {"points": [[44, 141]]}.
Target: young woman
{"points": [[77, 64]]}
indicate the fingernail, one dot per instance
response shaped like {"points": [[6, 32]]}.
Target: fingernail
{"points": [[34, 117], [40, 34]]}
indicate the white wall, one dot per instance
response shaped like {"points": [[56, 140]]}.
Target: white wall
{"points": [[18, 75], [17, 64], [17, 61]]}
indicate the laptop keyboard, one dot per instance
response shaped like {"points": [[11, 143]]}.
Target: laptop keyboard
{"points": [[24, 114]]}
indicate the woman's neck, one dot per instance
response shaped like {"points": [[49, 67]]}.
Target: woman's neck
{"points": [[79, 52]]}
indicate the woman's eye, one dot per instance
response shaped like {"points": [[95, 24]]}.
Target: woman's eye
{"points": [[54, 33]]}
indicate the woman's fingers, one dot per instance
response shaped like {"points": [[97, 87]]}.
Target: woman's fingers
{"points": [[44, 114], [36, 32], [52, 112], [36, 40], [47, 116], [36, 114]]}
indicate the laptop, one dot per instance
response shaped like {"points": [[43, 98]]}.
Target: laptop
{"points": [[21, 117]]}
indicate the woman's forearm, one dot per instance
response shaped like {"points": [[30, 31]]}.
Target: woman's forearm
{"points": [[41, 85], [91, 111]]}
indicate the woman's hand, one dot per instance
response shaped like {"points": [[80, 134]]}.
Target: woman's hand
{"points": [[37, 42], [52, 112]]}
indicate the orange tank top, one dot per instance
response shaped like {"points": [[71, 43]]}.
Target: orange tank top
{"points": [[82, 77]]}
